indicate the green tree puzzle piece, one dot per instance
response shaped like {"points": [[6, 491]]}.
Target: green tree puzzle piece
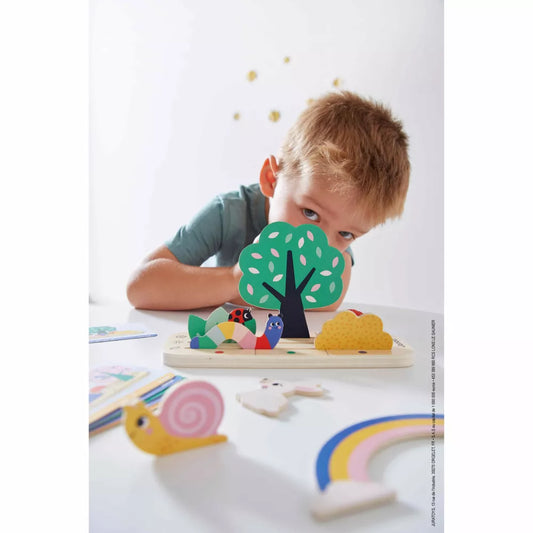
{"points": [[291, 269]]}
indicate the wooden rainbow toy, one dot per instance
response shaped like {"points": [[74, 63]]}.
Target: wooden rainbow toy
{"points": [[341, 466]]}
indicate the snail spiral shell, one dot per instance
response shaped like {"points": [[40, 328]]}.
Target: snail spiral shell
{"points": [[191, 409]]}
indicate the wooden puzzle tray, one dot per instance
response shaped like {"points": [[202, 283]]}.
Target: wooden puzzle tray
{"points": [[289, 353]]}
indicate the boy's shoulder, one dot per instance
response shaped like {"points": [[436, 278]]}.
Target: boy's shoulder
{"points": [[247, 198], [243, 210], [245, 193]]}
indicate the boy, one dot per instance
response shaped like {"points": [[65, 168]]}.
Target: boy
{"points": [[343, 166]]}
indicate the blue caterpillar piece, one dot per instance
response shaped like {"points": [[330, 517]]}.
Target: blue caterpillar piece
{"points": [[241, 335]]}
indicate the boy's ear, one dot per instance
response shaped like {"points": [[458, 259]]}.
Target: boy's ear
{"points": [[268, 175]]}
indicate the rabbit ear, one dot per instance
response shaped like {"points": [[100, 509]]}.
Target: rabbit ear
{"points": [[308, 389]]}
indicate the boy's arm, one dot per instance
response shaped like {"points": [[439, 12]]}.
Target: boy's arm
{"points": [[162, 282]]}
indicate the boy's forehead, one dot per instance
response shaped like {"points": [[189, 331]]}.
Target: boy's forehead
{"points": [[328, 192], [318, 183]]}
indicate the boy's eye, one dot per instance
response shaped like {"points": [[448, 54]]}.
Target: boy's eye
{"points": [[310, 214], [347, 235]]}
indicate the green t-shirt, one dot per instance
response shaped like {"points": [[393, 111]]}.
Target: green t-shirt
{"points": [[225, 226]]}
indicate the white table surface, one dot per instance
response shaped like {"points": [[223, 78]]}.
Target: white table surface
{"points": [[263, 478]]}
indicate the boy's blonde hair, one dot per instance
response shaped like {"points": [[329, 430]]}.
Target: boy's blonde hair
{"points": [[351, 141]]}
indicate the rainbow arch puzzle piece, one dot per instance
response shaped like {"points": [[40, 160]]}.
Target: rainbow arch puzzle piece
{"points": [[341, 466]]}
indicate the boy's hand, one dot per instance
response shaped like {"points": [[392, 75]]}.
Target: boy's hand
{"points": [[237, 275]]}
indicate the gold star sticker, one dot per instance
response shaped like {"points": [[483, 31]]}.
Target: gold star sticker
{"points": [[274, 116], [252, 75], [236, 116]]}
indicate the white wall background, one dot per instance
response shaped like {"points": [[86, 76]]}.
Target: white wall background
{"points": [[167, 77]]}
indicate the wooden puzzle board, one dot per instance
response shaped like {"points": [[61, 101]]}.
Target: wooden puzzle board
{"points": [[289, 353]]}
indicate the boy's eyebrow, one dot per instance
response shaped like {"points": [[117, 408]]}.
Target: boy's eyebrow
{"points": [[310, 200]]}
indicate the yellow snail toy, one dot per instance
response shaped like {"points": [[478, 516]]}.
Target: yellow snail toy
{"points": [[188, 417]]}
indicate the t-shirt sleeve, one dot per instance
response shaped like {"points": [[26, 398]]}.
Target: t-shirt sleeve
{"points": [[201, 238]]}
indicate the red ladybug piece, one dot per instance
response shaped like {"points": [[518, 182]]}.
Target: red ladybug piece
{"points": [[240, 315]]}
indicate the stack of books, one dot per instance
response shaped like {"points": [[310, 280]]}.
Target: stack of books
{"points": [[112, 387]]}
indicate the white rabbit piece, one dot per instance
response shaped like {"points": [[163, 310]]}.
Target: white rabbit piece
{"points": [[271, 398]]}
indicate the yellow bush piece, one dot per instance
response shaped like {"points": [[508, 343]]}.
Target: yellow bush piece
{"points": [[346, 331]]}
